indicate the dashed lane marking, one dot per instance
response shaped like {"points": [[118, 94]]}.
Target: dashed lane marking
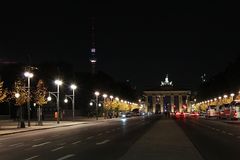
{"points": [[42, 144], [66, 157], [91, 137], [103, 142], [39, 139], [99, 134], [76, 142], [17, 144], [56, 149], [230, 134], [32, 157]]}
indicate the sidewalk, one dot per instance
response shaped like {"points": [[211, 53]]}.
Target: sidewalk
{"points": [[8, 127], [165, 140]]}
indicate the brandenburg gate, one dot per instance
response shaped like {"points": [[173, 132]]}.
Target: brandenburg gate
{"points": [[167, 98]]}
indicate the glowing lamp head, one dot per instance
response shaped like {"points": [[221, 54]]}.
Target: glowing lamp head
{"points": [[111, 97], [73, 87], [58, 82], [17, 95], [91, 103], [49, 98], [97, 93], [65, 100], [105, 95], [28, 74], [225, 96], [232, 95]]}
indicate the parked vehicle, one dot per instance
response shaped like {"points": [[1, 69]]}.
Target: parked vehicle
{"points": [[235, 110], [194, 115], [212, 112], [224, 111], [202, 115]]}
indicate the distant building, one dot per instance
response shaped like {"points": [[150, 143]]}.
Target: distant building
{"points": [[167, 98]]}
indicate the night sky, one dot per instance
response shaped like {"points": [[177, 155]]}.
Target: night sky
{"points": [[139, 42]]}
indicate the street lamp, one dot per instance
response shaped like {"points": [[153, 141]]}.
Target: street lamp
{"points": [[97, 94], [17, 95], [56, 95], [232, 95], [29, 75], [104, 98], [72, 97]]}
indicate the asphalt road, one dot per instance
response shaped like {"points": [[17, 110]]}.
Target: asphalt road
{"points": [[214, 139], [89, 141]]}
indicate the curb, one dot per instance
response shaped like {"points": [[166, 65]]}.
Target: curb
{"points": [[4, 134]]}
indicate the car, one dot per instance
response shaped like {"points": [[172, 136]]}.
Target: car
{"points": [[194, 115], [202, 115], [180, 115], [224, 111], [235, 110], [212, 112]]}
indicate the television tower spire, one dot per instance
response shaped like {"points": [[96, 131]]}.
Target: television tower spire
{"points": [[93, 58]]}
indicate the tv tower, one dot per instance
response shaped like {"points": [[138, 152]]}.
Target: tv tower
{"points": [[93, 58]]}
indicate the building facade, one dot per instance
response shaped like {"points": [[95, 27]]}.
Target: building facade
{"points": [[167, 98]]}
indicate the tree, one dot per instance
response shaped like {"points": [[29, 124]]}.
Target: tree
{"points": [[20, 96], [3, 92], [40, 98]]}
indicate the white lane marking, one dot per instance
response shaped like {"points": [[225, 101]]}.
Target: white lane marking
{"points": [[37, 139], [103, 142], [2, 139], [230, 134], [99, 134], [32, 157], [56, 149], [66, 157], [76, 142], [42, 144], [91, 137], [17, 144]]}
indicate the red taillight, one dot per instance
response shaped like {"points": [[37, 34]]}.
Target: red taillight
{"points": [[235, 114], [177, 113]]}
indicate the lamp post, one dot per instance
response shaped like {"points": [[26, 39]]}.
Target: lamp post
{"points": [[72, 97], [22, 125], [104, 106], [97, 94], [232, 96], [56, 95], [29, 75]]}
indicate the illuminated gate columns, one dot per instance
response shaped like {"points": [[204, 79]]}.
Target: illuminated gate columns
{"points": [[168, 97]]}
